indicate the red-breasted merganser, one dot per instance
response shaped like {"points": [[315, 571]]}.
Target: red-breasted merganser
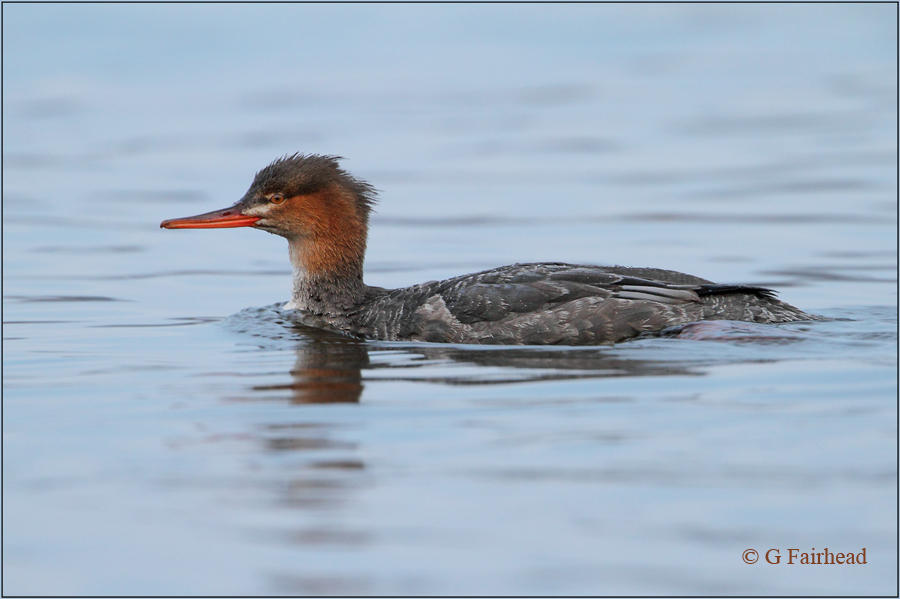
{"points": [[323, 212]]}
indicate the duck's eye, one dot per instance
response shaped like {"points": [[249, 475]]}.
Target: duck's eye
{"points": [[276, 198]]}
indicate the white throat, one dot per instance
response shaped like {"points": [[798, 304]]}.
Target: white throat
{"points": [[298, 280]]}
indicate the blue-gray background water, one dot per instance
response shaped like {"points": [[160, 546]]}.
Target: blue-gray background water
{"points": [[166, 431]]}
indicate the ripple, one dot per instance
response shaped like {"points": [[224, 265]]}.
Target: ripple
{"points": [[772, 219], [63, 298], [96, 249], [800, 122], [178, 322], [173, 196], [817, 273]]}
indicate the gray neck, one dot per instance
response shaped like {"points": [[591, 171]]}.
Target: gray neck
{"points": [[324, 293]]}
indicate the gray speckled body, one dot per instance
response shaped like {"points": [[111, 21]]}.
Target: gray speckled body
{"points": [[540, 304]]}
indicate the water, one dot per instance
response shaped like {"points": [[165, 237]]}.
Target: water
{"points": [[167, 431]]}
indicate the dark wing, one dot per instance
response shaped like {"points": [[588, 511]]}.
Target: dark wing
{"points": [[523, 288], [549, 303]]}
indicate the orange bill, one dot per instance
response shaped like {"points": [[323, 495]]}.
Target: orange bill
{"points": [[217, 219]]}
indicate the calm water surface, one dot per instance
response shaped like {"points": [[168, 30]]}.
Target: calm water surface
{"points": [[168, 430]]}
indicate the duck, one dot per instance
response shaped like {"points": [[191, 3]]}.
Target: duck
{"points": [[323, 212]]}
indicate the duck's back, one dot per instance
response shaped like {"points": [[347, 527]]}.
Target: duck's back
{"points": [[556, 303]]}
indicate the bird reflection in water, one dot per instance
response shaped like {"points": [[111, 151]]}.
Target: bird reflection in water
{"points": [[321, 465], [328, 369]]}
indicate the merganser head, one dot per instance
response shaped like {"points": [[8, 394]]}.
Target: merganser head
{"points": [[311, 201]]}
